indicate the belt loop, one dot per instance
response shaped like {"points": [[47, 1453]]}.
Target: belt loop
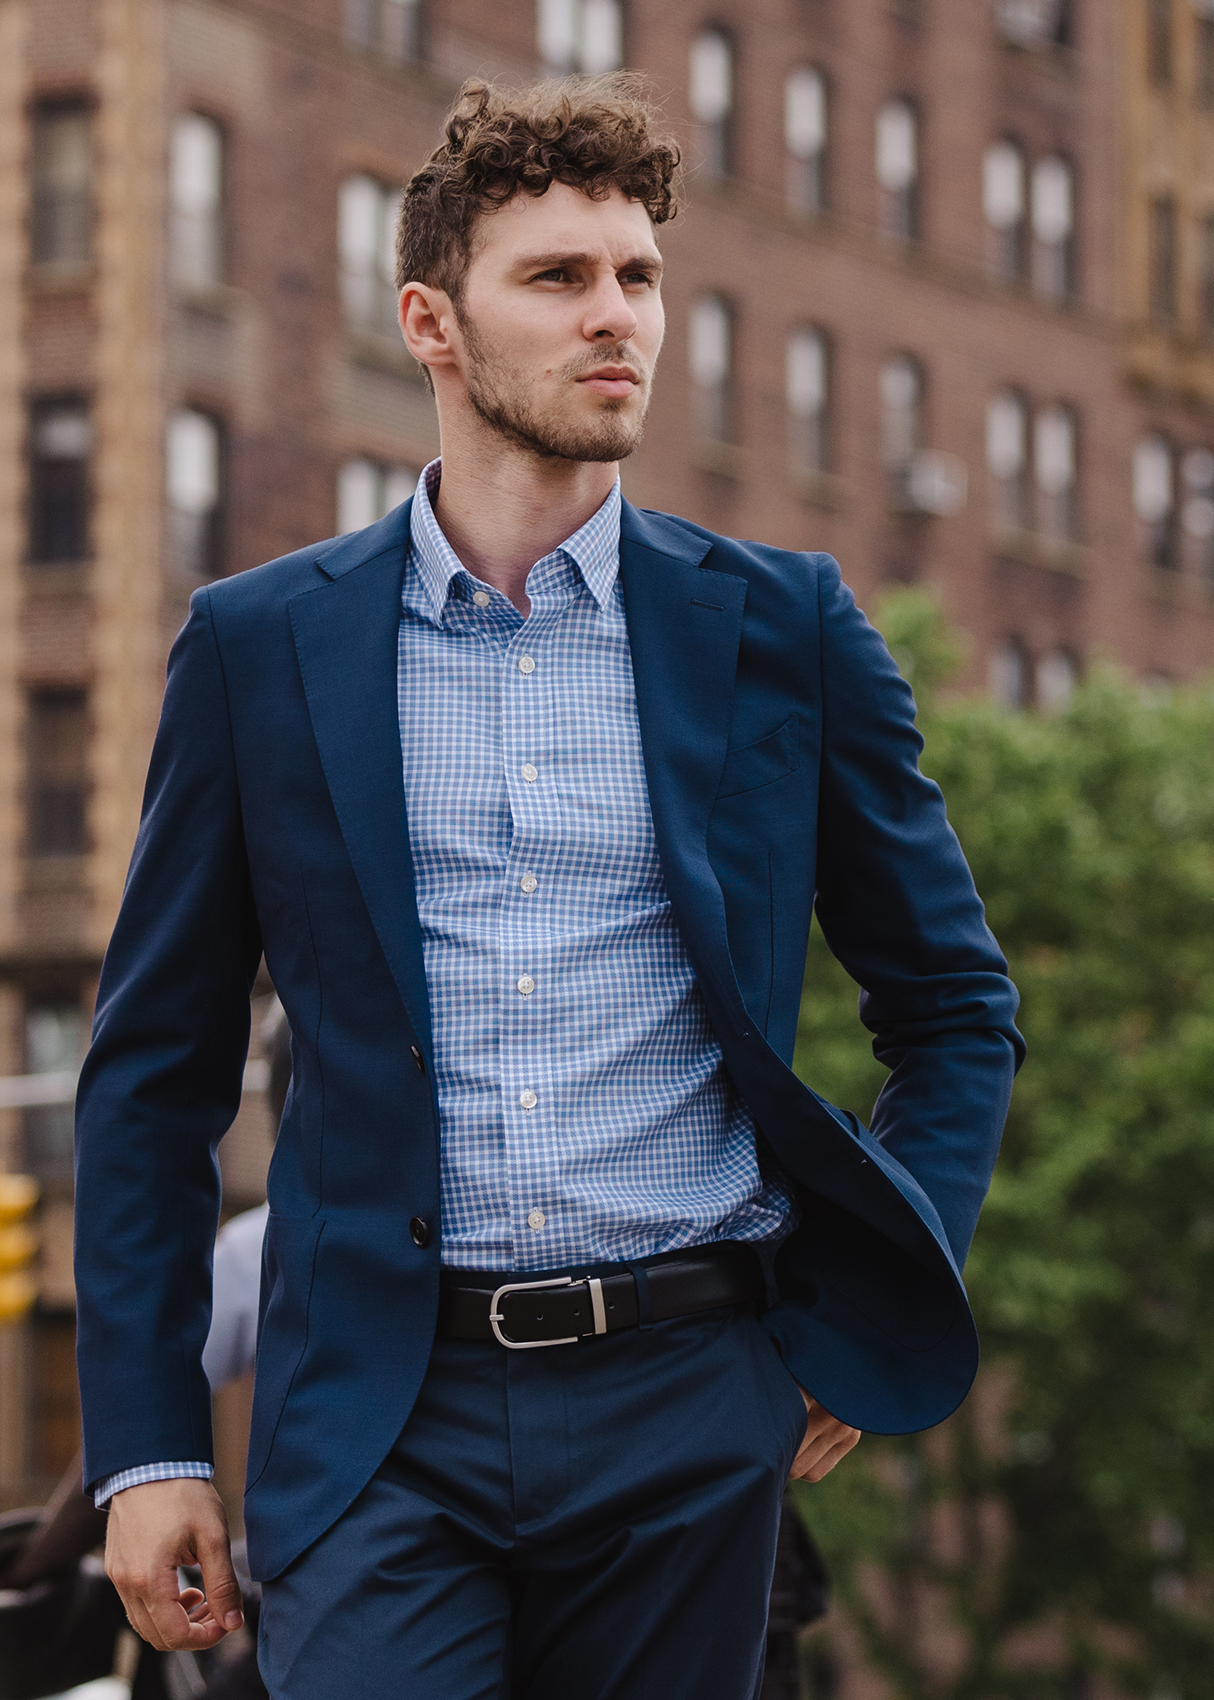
{"points": [[644, 1309]]}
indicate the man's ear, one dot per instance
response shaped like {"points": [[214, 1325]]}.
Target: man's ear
{"points": [[428, 324]]}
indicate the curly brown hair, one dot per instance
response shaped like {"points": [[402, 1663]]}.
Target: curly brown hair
{"points": [[594, 133]]}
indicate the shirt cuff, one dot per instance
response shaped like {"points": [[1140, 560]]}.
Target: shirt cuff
{"points": [[108, 1486]]}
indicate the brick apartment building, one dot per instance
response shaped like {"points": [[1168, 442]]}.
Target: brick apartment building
{"points": [[942, 302]]}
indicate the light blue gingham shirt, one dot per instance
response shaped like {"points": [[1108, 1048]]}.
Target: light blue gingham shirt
{"points": [[584, 1106]]}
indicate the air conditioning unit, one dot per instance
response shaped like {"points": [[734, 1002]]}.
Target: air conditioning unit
{"points": [[1029, 23], [932, 482]]}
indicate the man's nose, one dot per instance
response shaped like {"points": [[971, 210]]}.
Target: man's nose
{"points": [[610, 317]]}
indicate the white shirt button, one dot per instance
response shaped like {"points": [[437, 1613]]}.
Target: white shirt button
{"points": [[527, 1099], [481, 598], [526, 664], [536, 1220], [529, 883], [526, 985], [530, 774]]}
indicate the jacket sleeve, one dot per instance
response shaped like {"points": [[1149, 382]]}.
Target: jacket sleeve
{"points": [[898, 908], [161, 1084]]}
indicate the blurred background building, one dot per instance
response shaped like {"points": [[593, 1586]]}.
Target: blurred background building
{"points": [[941, 302]]}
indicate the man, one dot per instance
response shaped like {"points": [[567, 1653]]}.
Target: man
{"points": [[526, 795]]}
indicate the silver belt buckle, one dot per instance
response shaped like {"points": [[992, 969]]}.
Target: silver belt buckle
{"points": [[597, 1308]]}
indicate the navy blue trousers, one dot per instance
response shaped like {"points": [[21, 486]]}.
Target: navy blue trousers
{"points": [[589, 1522]]}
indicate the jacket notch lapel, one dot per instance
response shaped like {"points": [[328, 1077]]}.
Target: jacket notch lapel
{"points": [[684, 631], [345, 632]]}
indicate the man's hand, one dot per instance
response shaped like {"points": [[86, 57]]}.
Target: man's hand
{"points": [[827, 1440], [154, 1528]]}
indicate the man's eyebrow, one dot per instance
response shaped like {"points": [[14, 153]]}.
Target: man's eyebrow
{"points": [[546, 262]]}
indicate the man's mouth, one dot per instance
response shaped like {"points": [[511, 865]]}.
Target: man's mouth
{"points": [[614, 381]]}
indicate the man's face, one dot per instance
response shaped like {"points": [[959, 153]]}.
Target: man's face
{"points": [[562, 321]]}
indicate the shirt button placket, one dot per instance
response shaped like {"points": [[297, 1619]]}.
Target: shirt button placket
{"points": [[522, 1070]]}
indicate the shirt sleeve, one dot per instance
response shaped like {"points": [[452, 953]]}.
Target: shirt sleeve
{"points": [[108, 1486]]}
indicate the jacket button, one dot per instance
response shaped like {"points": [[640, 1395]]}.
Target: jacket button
{"points": [[419, 1232], [418, 1059]]}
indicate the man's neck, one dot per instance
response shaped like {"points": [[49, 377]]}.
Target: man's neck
{"points": [[502, 512]]}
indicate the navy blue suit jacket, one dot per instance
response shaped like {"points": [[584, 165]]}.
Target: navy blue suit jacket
{"points": [[781, 757]]}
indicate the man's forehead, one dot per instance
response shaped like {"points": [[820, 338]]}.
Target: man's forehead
{"points": [[566, 223]]}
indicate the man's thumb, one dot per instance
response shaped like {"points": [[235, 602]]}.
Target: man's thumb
{"points": [[219, 1582]]}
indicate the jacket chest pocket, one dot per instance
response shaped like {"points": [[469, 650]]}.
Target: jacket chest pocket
{"points": [[761, 763]]}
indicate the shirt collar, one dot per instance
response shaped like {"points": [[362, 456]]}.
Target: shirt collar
{"points": [[594, 548]]}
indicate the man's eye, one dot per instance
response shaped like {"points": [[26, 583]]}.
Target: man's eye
{"points": [[555, 274], [636, 277]]}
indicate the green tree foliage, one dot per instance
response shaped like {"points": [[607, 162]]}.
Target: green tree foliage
{"points": [[1060, 1529]]}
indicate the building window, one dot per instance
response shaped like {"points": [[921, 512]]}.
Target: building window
{"points": [[1153, 488], [1003, 208], [1055, 473], [1197, 514], [1204, 48], [61, 232], [1007, 459], [194, 485], [897, 166], [710, 93], [901, 386], [710, 356], [580, 35], [807, 393], [1205, 279], [367, 490], [1057, 676], [1162, 236], [55, 1038], [390, 27], [805, 139], [61, 441], [366, 234], [1052, 215], [196, 200], [1007, 674], [1034, 23], [1159, 41], [57, 773]]}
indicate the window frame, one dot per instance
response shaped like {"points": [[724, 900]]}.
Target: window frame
{"points": [[39, 495], [1006, 244], [53, 832], [198, 537], [899, 207], [1056, 512], [1052, 264], [717, 135], [809, 434], [1159, 531], [41, 198], [1010, 490], [807, 176], [217, 221], [714, 405], [1162, 275], [377, 319]]}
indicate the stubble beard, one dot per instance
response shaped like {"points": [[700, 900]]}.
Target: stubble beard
{"points": [[608, 435]]}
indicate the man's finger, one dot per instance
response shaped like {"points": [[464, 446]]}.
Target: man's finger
{"points": [[141, 1623], [219, 1583], [819, 1460]]}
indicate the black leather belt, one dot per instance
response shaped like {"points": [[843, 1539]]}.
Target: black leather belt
{"points": [[560, 1310]]}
